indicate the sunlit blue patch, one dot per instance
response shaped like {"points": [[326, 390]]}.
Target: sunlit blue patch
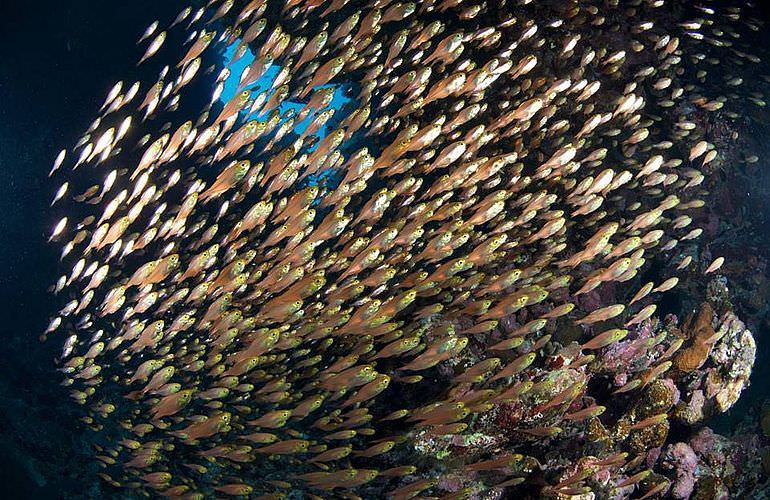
{"points": [[329, 178], [341, 103], [236, 69], [339, 100]]}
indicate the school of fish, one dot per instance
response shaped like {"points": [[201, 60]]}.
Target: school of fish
{"points": [[252, 311]]}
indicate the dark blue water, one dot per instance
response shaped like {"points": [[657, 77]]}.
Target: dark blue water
{"points": [[57, 59]]}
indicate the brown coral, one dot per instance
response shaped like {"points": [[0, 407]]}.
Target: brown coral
{"points": [[650, 437], [708, 488], [699, 331], [658, 399]]}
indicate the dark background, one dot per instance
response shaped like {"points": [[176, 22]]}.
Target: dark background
{"points": [[58, 59]]}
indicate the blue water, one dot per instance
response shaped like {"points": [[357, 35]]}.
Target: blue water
{"points": [[57, 57], [339, 101]]}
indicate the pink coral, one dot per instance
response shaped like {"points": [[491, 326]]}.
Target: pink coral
{"points": [[621, 355], [451, 483], [683, 460]]}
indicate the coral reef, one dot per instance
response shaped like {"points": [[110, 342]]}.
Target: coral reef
{"points": [[722, 356]]}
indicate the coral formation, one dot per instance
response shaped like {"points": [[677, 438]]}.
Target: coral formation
{"points": [[723, 372]]}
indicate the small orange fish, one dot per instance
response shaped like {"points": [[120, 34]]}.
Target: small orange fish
{"points": [[235, 489], [272, 420], [206, 428], [636, 478], [602, 314], [659, 488], [605, 339], [288, 447], [504, 462], [172, 404], [589, 412], [650, 421]]}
